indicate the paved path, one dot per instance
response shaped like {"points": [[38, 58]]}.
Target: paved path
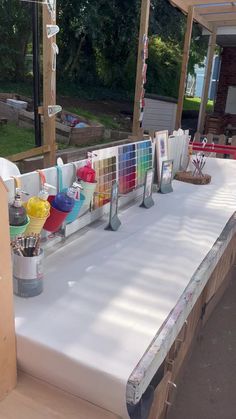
{"points": [[208, 387]]}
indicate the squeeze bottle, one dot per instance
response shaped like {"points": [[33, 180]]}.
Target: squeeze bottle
{"points": [[65, 201], [17, 213], [38, 206]]}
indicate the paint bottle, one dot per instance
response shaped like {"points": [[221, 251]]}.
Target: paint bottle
{"points": [[87, 173], [38, 206], [65, 201], [17, 213], [79, 188]]}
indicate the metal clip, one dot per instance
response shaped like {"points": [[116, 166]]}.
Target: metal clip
{"points": [[172, 384]]}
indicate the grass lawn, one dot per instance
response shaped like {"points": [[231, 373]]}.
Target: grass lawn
{"points": [[14, 139], [193, 104], [25, 89], [105, 120]]}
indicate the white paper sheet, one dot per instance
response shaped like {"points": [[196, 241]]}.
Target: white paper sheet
{"points": [[107, 294]]}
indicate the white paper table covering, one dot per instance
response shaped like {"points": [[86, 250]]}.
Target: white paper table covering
{"points": [[107, 294]]}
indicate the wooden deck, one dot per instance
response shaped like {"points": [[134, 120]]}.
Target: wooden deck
{"points": [[35, 399]]}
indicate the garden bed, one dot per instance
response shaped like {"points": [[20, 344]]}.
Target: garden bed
{"points": [[69, 135]]}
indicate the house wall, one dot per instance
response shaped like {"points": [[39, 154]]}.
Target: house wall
{"points": [[159, 114], [227, 78]]}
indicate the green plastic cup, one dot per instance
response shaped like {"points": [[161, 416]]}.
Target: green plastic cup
{"points": [[18, 230]]}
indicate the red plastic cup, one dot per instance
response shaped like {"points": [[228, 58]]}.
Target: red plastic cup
{"points": [[55, 219]]}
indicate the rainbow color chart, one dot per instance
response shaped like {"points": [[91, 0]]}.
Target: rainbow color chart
{"points": [[126, 164], [144, 160], [127, 168], [133, 160], [106, 174]]}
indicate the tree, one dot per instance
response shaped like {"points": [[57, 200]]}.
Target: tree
{"points": [[103, 39], [99, 34], [98, 42], [168, 23], [15, 30]]}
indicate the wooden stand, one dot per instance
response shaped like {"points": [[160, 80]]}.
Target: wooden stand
{"points": [[7, 331]]}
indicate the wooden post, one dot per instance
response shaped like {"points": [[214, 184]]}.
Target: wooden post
{"points": [[49, 88], [184, 68], [143, 31], [207, 79], [7, 331]]}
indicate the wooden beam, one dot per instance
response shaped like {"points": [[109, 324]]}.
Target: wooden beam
{"points": [[215, 9], [143, 31], [7, 330], [184, 68], [224, 23], [200, 12], [203, 2], [202, 20], [206, 84], [197, 17], [49, 88], [222, 17], [33, 152], [185, 4], [180, 4]]}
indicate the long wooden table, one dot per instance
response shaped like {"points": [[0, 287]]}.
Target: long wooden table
{"points": [[120, 308]]}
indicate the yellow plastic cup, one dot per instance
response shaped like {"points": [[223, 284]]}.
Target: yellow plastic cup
{"points": [[35, 225]]}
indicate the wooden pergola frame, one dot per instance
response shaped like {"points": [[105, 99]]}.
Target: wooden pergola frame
{"points": [[49, 147], [210, 15]]}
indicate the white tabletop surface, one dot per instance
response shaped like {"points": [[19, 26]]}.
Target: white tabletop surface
{"points": [[108, 293]]}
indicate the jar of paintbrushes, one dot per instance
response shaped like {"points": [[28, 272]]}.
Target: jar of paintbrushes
{"points": [[27, 266], [196, 173]]}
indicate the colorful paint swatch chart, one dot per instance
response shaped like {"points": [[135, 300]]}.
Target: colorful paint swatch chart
{"points": [[127, 164], [144, 160], [106, 174], [127, 168]]}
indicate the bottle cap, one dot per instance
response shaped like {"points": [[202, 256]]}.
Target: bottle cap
{"points": [[89, 160], [20, 192], [77, 185], [18, 195], [73, 190], [44, 193]]}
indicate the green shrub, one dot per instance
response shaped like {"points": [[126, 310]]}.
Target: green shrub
{"points": [[164, 65]]}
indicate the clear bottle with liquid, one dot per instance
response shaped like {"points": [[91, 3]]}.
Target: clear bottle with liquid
{"points": [[38, 206], [17, 212]]}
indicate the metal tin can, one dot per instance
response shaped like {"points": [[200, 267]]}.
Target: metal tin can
{"points": [[28, 275]]}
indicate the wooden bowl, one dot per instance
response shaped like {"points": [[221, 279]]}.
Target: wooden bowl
{"points": [[189, 178]]}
